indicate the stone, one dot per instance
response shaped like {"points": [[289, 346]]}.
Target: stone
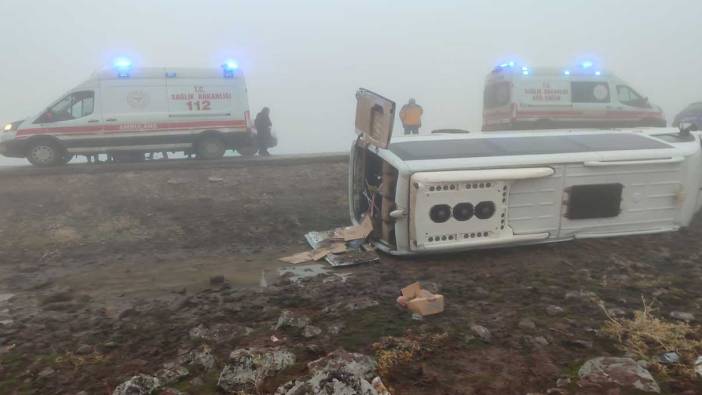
{"points": [[311, 331], [249, 367], [340, 372], [138, 385], [669, 358], [172, 373], [84, 349], [219, 332], [379, 387], [563, 382], [554, 310], [217, 280], [540, 341], [682, 316], [215, 179], [201, 358], [335, 328], [46, 372], [698, 366], [527, 324], [623, 372], [482, 332], [288, 319]]}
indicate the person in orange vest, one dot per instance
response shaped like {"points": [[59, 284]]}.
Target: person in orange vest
{"points": [[411, 117]]}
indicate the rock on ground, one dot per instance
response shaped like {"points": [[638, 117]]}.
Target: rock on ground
{"points": [[624, 372], [682, 316], [138, 385], [288, 319], [339, 373], [200, 358], [482, 332], [249, 367]]}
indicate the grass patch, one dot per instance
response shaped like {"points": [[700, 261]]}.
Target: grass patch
{"points": [[647, 337], [367, 326]]}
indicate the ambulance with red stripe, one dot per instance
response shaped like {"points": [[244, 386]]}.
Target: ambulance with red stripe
{"points": [[517, 97], [127, 112]]}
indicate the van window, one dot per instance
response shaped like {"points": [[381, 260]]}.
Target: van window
{"points": [[589, 92], [628, 96], [76, 105], [496, 95]]}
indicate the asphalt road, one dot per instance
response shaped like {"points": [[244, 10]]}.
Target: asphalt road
{"points": [[170, 164]]}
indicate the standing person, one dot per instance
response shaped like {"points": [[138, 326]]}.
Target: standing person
{"points": [[411, 117], [263, 126]]}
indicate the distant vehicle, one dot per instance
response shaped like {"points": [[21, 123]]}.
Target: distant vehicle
{"points": [[126, 112], [692, 114], [454, 192], [518, 98]]}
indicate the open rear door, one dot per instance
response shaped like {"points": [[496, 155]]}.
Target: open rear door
{"points": [[374, 118]]}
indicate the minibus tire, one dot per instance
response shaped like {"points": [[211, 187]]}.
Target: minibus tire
{"points": [[210, 147], [45, 153]]}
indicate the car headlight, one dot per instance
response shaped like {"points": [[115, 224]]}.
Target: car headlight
{"points": [[11, 126], [7, 127]]}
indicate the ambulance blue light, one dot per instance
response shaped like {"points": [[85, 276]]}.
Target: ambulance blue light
{"points": [[122, 63], [586, 64], [123, 66], [229, 67]]}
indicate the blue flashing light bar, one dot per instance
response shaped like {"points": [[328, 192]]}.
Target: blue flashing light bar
{"points": [[123, 66], [229, 67], [586, 64]]}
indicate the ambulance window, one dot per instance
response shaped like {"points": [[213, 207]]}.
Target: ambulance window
{"points": [[629, 97], [496, 95], [589, 92], [75, 105]]}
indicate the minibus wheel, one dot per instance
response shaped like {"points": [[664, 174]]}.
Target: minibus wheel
{"points": [[210, 147], [45, 153]]}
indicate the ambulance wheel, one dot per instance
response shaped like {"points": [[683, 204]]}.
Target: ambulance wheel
{"points": [[247, 150], [45, 153], [210, 147]]}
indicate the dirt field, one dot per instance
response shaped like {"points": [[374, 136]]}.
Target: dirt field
{"points": [[104, 276]]}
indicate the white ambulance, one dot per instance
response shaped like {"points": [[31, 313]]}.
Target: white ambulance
{"points": [[517, 97], [126, 112]]}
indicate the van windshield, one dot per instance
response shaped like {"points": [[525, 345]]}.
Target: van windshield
{"points": [[496, 95], [76, 105]]}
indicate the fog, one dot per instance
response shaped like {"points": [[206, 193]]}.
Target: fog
{"points": [[306, 59]]}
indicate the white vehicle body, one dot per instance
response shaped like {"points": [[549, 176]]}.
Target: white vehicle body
{"points": [[144, 110], [516, 188], [547, 98]]}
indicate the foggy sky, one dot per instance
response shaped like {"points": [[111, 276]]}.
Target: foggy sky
{"points": [[305, 59]]}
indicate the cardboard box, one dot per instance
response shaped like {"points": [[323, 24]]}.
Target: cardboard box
{"points": [[421, 301]]}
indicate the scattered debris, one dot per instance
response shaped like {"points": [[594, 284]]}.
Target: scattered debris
{"points": [[138, 385], [669, 358], [355, 232], [420, 301], [354, 254], [249, 367], [624, 372]]}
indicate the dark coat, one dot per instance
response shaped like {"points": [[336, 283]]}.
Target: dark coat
{"points": [[263, 124]]}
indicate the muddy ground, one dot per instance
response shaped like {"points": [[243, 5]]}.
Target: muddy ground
{"points": [[104, 276]]}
